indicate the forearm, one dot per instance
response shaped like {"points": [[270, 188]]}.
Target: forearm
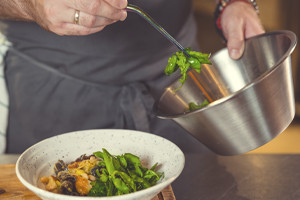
{"points": [[16, 9]]}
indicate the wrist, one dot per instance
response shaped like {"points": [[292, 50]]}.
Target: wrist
{"points": [[26, 10], [222, 4], [15, 10]]}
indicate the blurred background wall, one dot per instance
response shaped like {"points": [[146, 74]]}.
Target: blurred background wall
{"points": [[274, 14]]}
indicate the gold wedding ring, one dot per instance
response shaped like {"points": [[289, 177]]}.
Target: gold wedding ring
{"points": [[76, 17]]}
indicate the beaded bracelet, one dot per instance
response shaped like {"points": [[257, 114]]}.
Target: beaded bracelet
{"points": [[220, 8]]}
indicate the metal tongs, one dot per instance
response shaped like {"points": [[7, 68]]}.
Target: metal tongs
{"points": [[148, 18]]}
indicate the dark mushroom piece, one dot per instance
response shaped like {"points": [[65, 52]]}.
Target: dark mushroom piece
{"points": [[68, 187], [67, 183], [60, 166], [65, 176], [83, 157]]}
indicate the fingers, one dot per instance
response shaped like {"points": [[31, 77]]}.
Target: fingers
{"points": [[85, 19], [58, 16], [113, 10], [93, 5], [93, 21], [74, 29], [239, 21]]}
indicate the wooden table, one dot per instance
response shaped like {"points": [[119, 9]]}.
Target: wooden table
{"points": [[12, 189]]}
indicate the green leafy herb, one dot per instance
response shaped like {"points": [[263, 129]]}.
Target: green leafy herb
{"points": [[122, 174], [181, 61], [193, 106], [98, 189]]}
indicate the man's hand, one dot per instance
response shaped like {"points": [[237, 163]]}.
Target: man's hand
{"points": [[58, 15], [239, 21]]}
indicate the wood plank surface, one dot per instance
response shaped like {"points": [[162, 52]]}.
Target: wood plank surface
{"points": [[12, 189]]}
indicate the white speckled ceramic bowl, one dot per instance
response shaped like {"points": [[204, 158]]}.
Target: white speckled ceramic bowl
{"points": [[38, 160]]}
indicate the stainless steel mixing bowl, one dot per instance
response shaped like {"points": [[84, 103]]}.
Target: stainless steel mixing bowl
{"points": [[251, 99]]}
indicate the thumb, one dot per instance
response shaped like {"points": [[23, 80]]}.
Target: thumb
{"points": [[235, 43]]}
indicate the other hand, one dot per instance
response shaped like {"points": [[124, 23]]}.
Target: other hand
{"points": [[239, 21]]}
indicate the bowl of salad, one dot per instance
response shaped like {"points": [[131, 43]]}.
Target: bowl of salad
{"points": [[104, 164]]}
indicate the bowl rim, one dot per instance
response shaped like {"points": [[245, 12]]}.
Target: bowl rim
{"points": [[158, 187], [293, 38]]}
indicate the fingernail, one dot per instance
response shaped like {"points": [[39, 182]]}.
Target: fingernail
{"points": [[235, 54]]}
